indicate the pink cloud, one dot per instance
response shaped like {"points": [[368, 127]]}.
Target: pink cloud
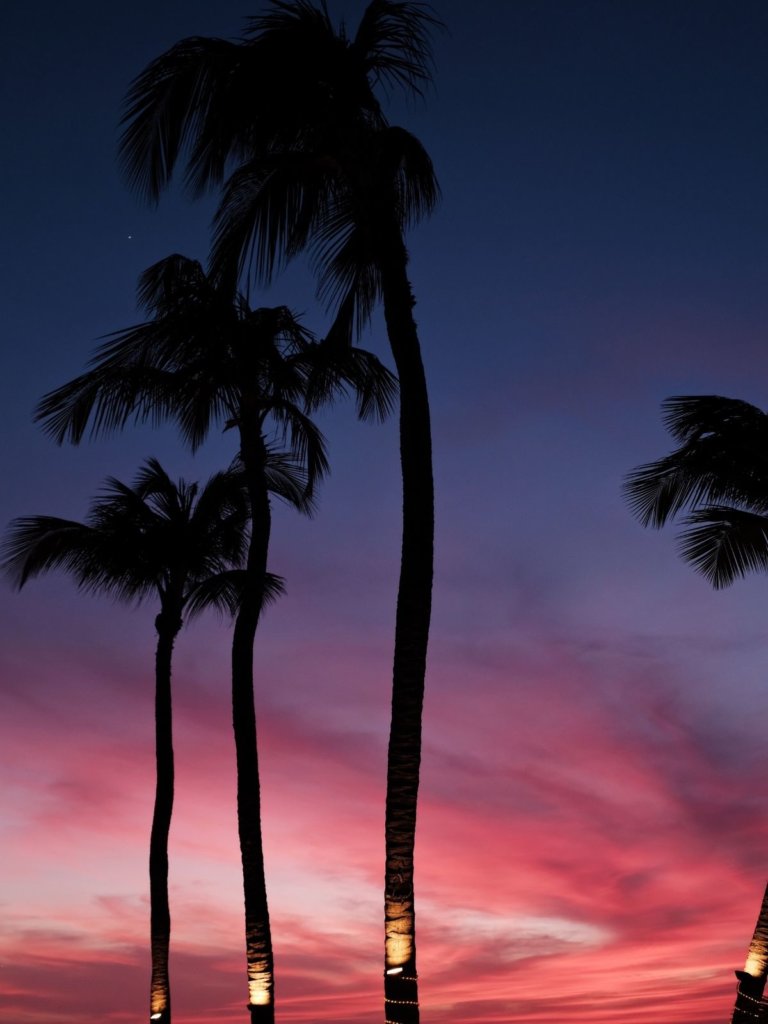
{"points": [[586, 848]]}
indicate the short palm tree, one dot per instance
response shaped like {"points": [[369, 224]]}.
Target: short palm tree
{"points": [[206, 357], [313, 164], [715, 482], [156, 538]]}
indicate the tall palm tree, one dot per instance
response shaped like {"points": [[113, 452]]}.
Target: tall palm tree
{"points": [[715, 483], [314, 164], [157, 538], [205, 357]]}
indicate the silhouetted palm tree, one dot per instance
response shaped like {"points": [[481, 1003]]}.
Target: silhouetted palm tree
{"points": [[313, 164], [205, 357], [715, 483], [156, 538]]}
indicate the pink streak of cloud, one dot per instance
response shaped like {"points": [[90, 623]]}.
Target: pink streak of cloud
{"points": [[595, 869]]}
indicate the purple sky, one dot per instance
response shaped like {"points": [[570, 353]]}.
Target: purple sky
{"points": [[593, 842]]}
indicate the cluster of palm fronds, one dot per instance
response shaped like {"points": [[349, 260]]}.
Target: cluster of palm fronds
{"points": [[715, 482]]}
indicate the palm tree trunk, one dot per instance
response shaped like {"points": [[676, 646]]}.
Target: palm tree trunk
{"points": [[258, 938], [160, 914], [414, 602]]}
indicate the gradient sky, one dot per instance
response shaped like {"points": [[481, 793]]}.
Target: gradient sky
{"points": [[593, 837]]}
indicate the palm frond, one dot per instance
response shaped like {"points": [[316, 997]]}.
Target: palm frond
{"points": [[151, 480], [174, 366], [724, 543], [130, 377], [274, 588], [393, 43], [34, 544], [657, 491], [375, 387], [177, 102], [723, 457], [223, 497], [385, 185], [267, 212], [326, 71], [403, 158], [38, 544], [294, 18], [692, 416], [336, 368], [288, 480], [173, 285], [345, 259], [305, 441], [223, 592]]}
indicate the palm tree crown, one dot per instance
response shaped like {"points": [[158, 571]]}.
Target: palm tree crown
{"points": [[206, 357], [153, 538], [715, 483], [311, 164], [218, 104]]}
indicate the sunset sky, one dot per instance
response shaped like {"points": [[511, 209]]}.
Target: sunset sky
{"points": [[593, 827]]}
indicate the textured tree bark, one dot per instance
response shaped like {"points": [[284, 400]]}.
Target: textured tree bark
{"points": [[414, 602], [258, 939], [167, 626]]}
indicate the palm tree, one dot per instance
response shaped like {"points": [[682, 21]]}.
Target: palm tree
{"points": [[715, 482], [315, 165], [157, 538], [205, 357]]}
